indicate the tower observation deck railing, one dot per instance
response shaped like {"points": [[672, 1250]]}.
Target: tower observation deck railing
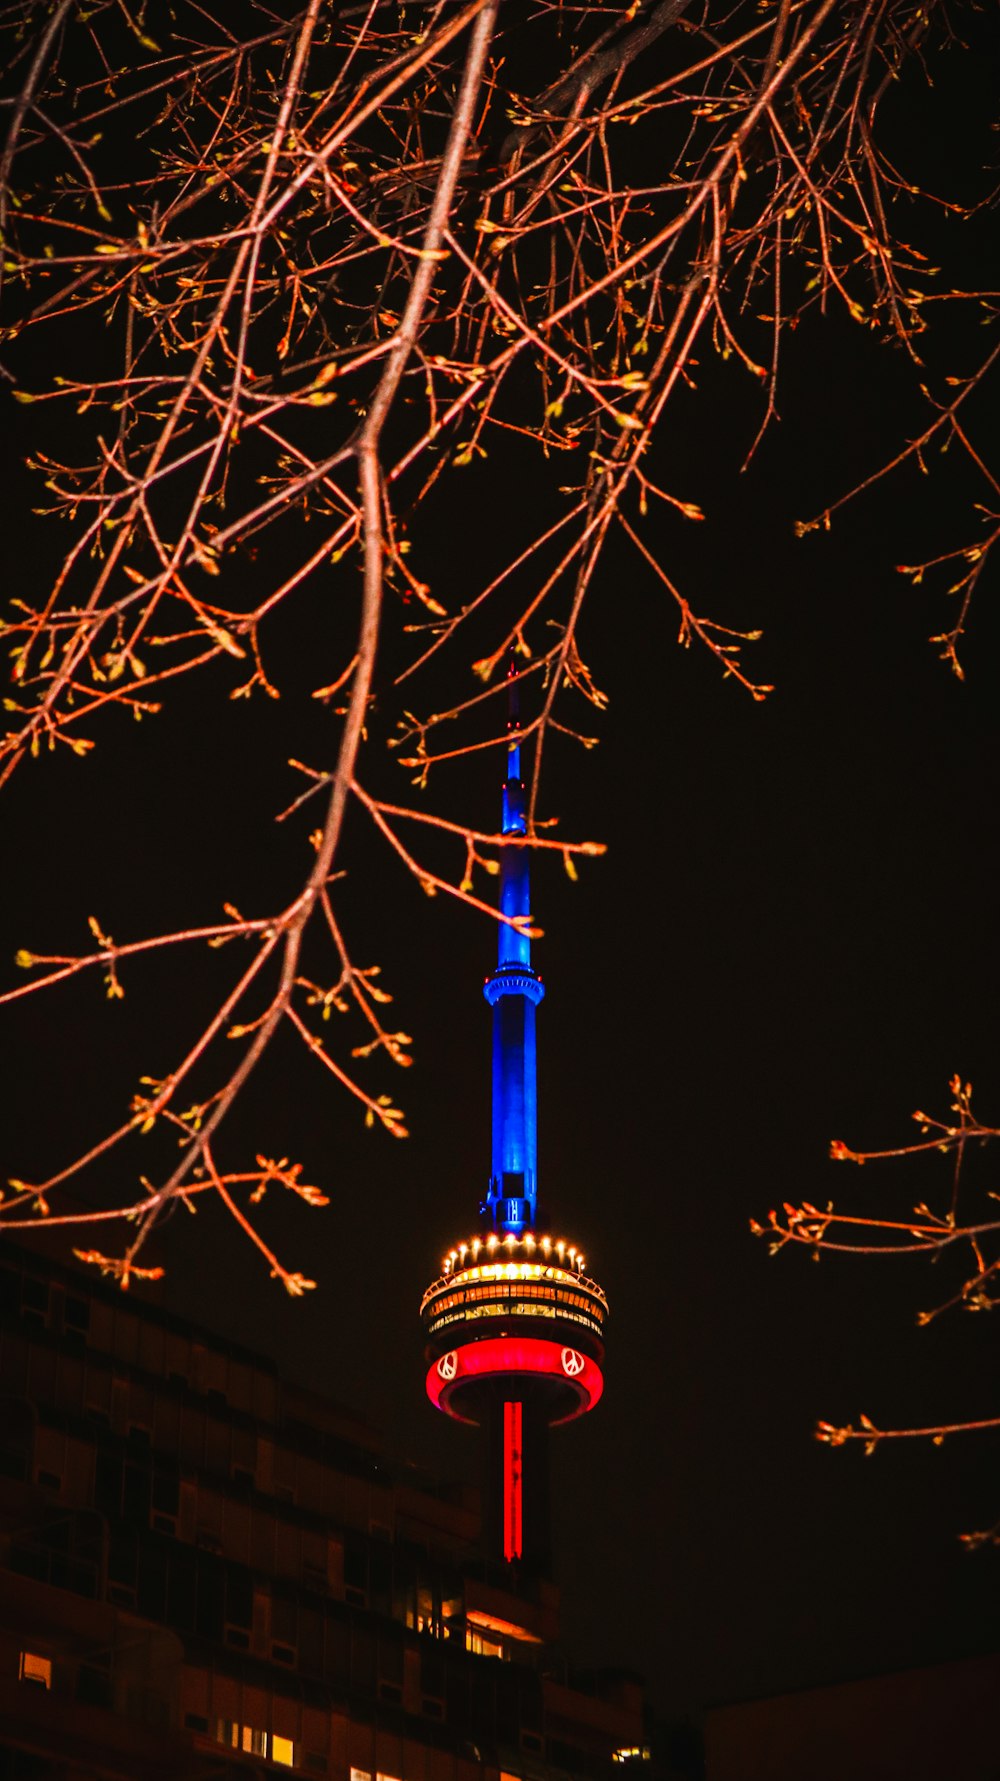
{"points": [[492, 1285]]}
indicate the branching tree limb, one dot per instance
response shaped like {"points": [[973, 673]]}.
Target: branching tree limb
{"points": [[974, 1239], [271, 272]]}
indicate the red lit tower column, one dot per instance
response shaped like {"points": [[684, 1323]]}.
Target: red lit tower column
{"points": [[514, 1327]]}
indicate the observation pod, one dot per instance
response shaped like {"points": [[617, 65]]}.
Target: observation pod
{"points": [[514, 1327]]}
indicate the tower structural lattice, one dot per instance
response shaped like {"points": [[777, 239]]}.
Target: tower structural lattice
{"points": [[514, 1327]]}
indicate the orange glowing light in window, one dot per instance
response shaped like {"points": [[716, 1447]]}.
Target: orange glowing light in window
{"points": [[36, 1669]]}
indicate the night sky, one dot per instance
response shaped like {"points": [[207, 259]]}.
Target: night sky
{"points": [[793, 938]]}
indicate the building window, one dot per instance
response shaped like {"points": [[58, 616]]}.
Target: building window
{"points": [[34, 1299], [255, 1741], [33, 1668], [356, 1570], [166, 1493], [93, 1686], [76, 1314], [483, 1647]]}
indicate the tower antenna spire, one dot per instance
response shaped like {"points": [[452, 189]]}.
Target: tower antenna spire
{"points": [[514, 991], [513, 717]]}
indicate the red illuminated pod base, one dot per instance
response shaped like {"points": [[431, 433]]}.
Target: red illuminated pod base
{"points": [[503, 1356]]}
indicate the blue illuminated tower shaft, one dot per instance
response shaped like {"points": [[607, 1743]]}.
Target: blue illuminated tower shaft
{"points": [[514, 992]]}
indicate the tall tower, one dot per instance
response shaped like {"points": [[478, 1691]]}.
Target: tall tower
{"points": [[513, 1326]]}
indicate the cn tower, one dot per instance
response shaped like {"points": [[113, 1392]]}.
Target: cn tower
{"points": [[514, 1328]]}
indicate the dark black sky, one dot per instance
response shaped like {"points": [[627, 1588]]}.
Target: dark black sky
{"points": [[793, 938]]}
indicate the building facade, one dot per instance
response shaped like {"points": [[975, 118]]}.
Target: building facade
{"points": [[205, 1570]]}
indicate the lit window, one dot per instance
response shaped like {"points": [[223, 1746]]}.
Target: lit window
{"points": [[361, 1775], [33, 1668], [254, 1740], [227, 1732], [283, 1752], [483, 1647]]}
